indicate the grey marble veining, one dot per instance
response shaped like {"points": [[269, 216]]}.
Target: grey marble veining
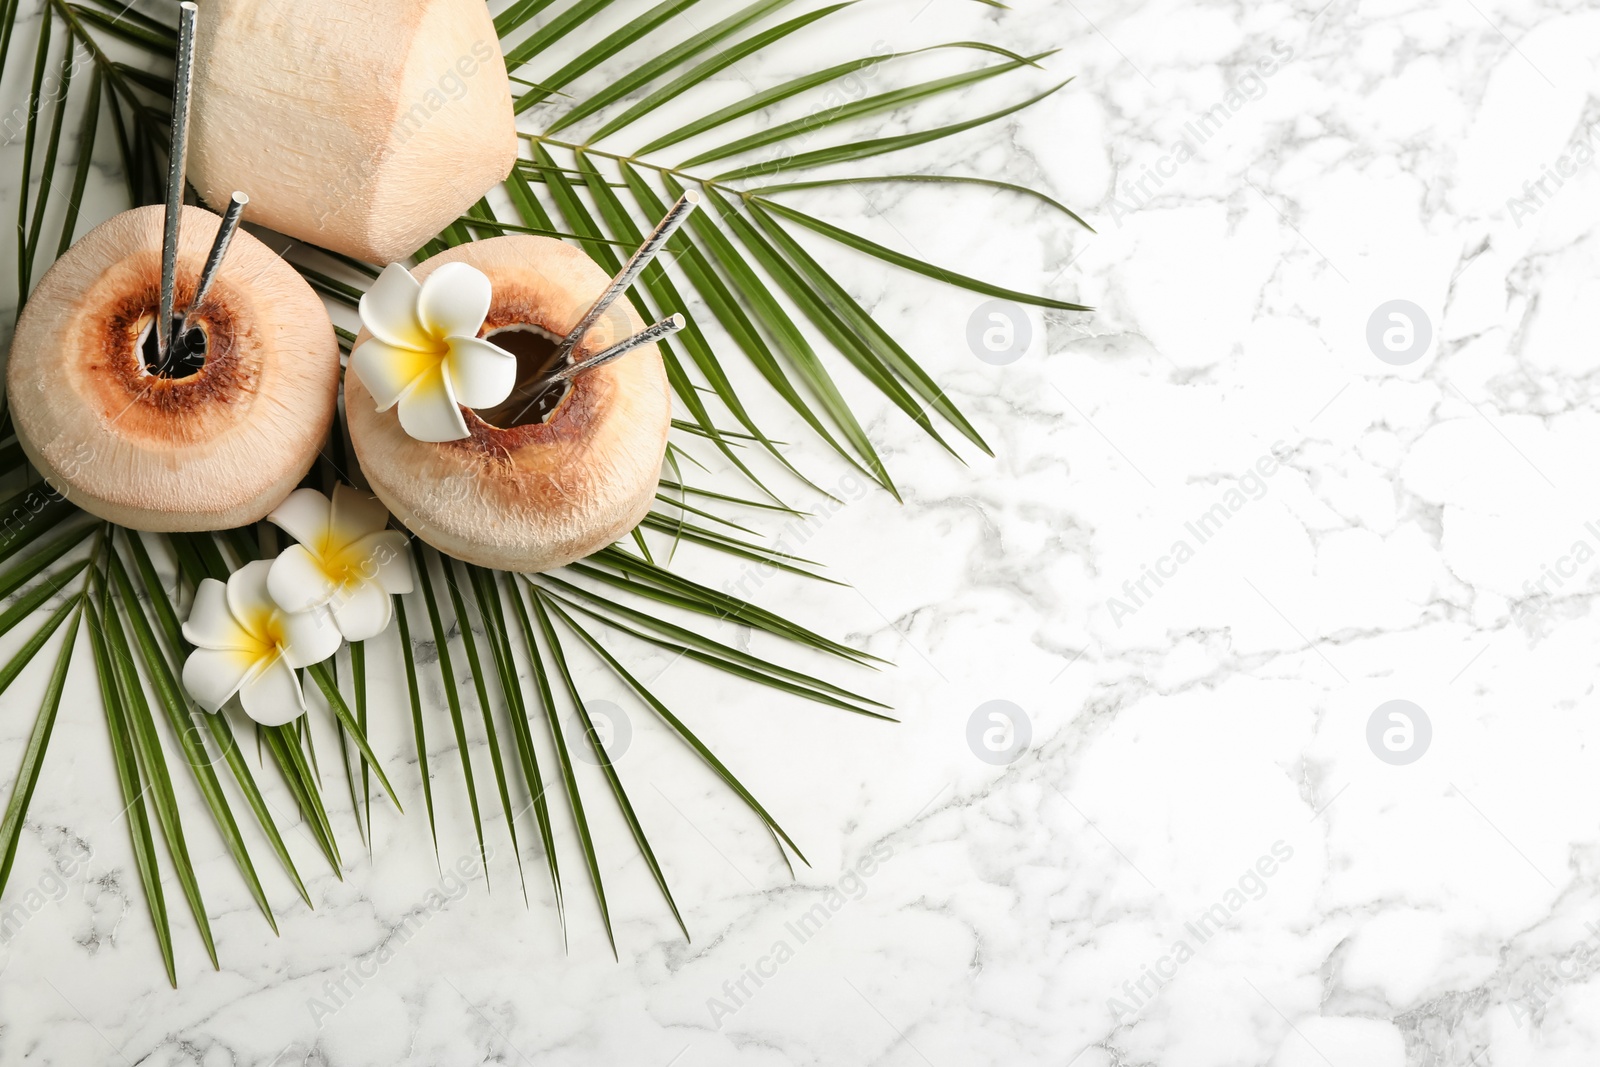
{"points": [[1143, 807]]}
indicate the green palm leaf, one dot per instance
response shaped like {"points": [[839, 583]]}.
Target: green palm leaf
{"points": [[558, 656], [135, 714], [128, 778], [160, 666], [492, 614], [447, 676], [27, 776], [857, 109], [418, 729], [470, 644], [770, 304]]}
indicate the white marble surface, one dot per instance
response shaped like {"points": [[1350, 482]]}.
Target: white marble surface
{"points": [[1045, 911]]}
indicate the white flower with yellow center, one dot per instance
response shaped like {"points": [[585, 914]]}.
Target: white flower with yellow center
{"points": [[246, 644], [424, 353], [347, 561]]}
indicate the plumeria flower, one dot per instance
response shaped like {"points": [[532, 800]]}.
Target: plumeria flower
{"points": [[424, 353], [346, 563], [246, 644]]}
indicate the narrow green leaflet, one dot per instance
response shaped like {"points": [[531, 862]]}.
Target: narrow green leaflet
{"points": [[48, 168], [349, 774], [547, 702], [469, 644], [142, 32], [799, 86], [826, 318], [127, 765], [452, 696], [518, 14], [638, 27], [418, 729], [27, 776], [320, 673], [24, 655], [494, 623], [697, 646], [617, 791], [781, 328], [35, 104], [879, 145], [702, 71], [80, 173], [937, 179], [616, 567], [874, 338], [284, 744], [899, 259], [855, 109], [358, 668], [657, 65], [683, 731], [35, 598], [163, 669], [547, 35], [152, 761]]}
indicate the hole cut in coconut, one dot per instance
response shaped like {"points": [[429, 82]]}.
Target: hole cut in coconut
{"points": [[535, 348], [188, 353]]}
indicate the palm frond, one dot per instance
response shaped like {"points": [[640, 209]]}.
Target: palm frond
{"points": [[135, 717], [559, 658], [773, 307], [447, 676], [492, 614], [27, 776], [469, 644], [418, 727], [128, 778], [161, 668]]}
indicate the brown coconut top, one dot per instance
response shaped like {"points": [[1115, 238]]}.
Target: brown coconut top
{"points": [[207, 445], [538, 495]]}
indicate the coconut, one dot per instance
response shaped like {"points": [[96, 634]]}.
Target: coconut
{"points": [[541, 479], [204, 443], [363, 126]]}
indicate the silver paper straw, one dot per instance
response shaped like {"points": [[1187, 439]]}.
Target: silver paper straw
{"points": [[219, 248], [625, 277], [181, 84], [649, 335]]}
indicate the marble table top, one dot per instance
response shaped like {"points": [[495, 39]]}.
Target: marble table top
{"points": [[1247, 691]]}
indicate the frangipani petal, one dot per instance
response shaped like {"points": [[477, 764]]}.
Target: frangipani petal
{"points": [[248, 599], [428, 411], [212, 676], [271, 696], [454, 301], [308, 637], [416, 330], [362, 611], [304, 516], [264, 642], [388, 370], [385, 559], [482, 374], [356, 513], [210, 623], [389, 309], [298, 582]]}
